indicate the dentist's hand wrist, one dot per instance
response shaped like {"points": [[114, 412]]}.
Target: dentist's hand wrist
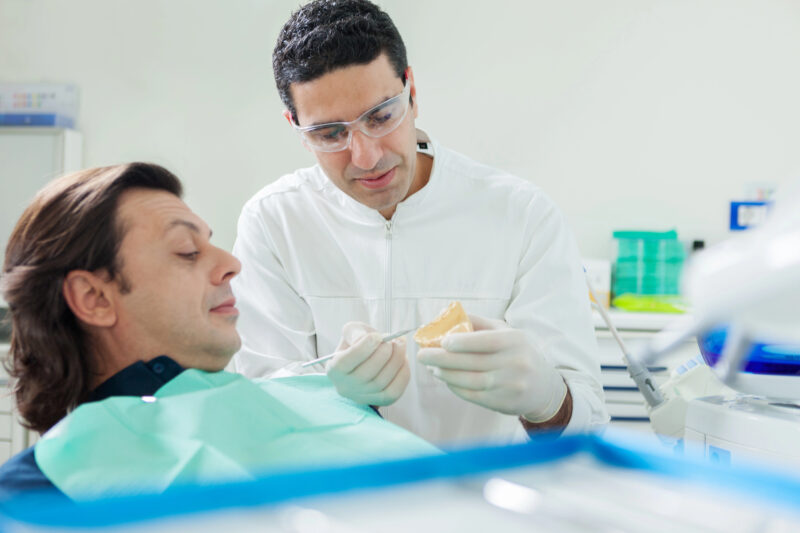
{"points": [[556, 413]]}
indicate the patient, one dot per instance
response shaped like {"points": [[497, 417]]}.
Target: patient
{"points": [[122, 319]]}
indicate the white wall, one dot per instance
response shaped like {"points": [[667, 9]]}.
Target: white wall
{"points": [[630, 113]]}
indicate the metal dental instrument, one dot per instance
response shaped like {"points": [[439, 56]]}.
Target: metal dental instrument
{"points": [[385, 339]]}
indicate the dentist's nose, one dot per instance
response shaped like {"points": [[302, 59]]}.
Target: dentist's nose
{"points": [[365, 152]]}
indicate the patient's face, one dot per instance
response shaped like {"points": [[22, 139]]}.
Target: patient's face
{"points": [[180, 301]]}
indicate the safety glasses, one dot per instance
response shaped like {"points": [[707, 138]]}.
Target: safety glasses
{"points": [[379, 121]]}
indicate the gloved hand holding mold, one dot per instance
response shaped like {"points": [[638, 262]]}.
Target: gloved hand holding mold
{"points": [[486, 362]]}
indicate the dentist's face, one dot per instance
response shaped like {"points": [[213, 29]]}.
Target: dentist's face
{"points": [[179, 301], [378, 172]]}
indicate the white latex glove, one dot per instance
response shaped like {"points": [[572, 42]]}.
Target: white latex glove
{"points": [[496, 367], [366, 370]]}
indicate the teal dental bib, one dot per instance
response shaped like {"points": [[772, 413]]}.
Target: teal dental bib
{"points": [[211, 427]]}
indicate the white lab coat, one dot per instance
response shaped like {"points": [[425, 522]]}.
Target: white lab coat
{"points": [[313, 259]]}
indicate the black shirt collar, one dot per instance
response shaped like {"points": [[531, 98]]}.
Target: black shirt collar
{"points": [[139, 379]]}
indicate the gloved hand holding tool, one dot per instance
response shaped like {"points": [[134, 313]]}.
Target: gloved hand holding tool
{"points": [[368, 370]]}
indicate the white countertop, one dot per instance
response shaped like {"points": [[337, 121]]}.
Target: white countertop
{"points": [[636, 321]]}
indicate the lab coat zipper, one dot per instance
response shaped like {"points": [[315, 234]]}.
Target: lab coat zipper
{"points": [[384, 412], [388, 287]]}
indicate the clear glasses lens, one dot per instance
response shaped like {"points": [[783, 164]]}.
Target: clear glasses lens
{"points": [[385, 118], [327, 138], [377, 122]]}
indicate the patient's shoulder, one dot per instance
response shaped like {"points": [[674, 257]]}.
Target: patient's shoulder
{"points": [[22, 474]]}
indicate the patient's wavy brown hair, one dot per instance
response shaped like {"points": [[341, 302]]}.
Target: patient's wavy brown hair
{"points": [[70, 225]]}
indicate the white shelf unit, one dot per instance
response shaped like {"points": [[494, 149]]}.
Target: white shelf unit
{"points": [[30, 157], [623, 400]]}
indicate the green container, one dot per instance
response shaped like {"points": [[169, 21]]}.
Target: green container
{"points": [[648, 262], [649, 269], [649, 246]]}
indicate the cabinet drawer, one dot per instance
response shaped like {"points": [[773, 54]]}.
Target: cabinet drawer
{"points": [[610, 353], [641, 429]]}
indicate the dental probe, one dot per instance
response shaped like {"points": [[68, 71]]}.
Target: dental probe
{"points": [[385, 339]]}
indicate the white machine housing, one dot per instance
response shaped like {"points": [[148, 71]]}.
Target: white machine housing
{"points": [[743, 429]]}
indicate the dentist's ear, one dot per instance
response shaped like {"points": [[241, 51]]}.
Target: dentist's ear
{"points": [[288, 116], [88, 296], [412, 91]]}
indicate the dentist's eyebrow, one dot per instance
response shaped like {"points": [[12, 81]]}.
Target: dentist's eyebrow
{"points": [[335, 122], [179, 222]]}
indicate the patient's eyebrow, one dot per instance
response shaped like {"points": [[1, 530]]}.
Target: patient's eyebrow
{"points": [[187, 224]]}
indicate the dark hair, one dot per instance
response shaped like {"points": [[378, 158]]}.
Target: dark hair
{"points": [[324, 35], [70, 225]]}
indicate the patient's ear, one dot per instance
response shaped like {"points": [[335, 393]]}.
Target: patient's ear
{"points": [[88, 296]]}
